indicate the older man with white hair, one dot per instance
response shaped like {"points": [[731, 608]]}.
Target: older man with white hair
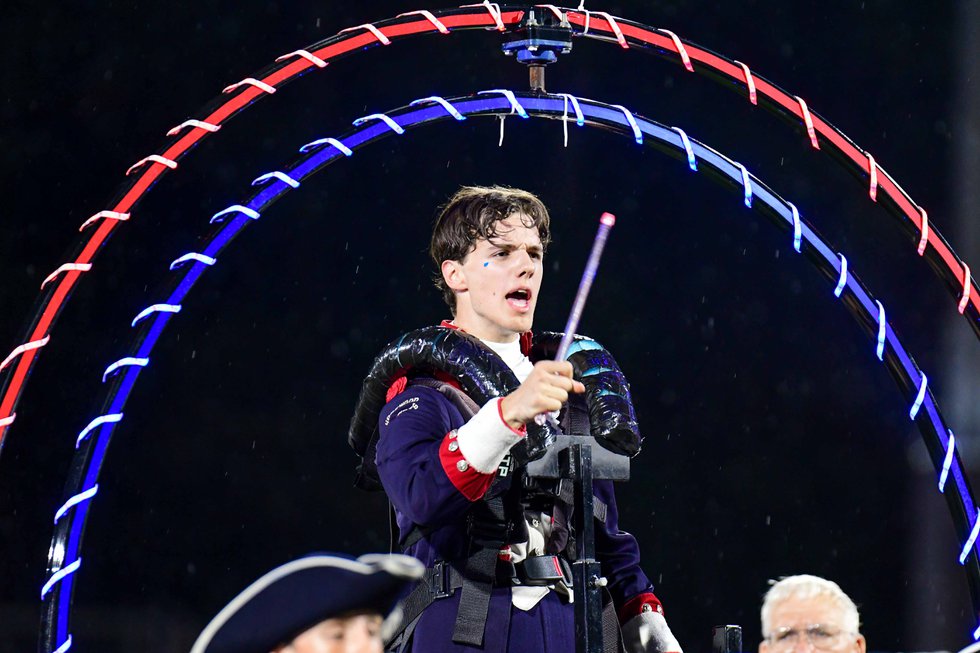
{"points": [[809, 613]]}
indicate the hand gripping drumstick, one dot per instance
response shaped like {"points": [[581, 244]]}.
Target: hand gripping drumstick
{"points": [[606, 223]]}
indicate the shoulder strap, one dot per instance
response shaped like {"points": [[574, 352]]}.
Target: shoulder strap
{"points": [[467, 407]]}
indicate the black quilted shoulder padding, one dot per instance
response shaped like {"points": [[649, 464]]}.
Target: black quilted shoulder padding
{"points": [[607, 392], [478, 370]]}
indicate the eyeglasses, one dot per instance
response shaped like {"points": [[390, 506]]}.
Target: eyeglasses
{"points": [[820, 637]]}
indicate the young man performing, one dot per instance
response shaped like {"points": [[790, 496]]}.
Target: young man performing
{"points": [[437, 461]]}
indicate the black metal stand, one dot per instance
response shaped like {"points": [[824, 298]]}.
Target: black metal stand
{"points": [[580, 460], [726, 639]]}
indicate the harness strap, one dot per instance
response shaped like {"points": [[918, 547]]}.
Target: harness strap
{"points": [[442, 580], [566, 493], [474, 602], [575, 417], [611, 634]]}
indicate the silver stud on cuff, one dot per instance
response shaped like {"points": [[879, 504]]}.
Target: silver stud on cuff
{"points": [[646, 608], [453, 434], [462, 465], [453, 446]]}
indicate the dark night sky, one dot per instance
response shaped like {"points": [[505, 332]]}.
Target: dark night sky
{"points": [[776, 443]]}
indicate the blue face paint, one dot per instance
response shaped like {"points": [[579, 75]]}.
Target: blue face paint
{"points": [[486, 263]]}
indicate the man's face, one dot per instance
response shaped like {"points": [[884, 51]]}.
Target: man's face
{"points": [[497, 283], [355, 634], [792, 618]]}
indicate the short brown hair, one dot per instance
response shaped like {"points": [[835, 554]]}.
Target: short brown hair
{"points": [[472, 214]]}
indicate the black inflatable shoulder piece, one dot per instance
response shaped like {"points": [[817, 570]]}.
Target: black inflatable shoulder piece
{"points": [[478, 370], [607, 392]]}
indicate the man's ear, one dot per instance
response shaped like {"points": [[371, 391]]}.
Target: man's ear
{"points": [[453, 275], [861, 646], [763, 646]]}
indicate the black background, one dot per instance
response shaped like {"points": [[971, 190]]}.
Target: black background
{"points": [[776, 442]]}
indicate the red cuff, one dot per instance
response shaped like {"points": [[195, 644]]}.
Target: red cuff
{"points": [[634, 606], [470, 483], [500, 411]]}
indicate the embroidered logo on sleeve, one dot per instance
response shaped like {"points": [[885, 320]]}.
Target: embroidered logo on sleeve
{"points": [[409, 404], [505, 465]]}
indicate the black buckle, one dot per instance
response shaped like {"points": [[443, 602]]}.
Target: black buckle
{"points": [[566, 571], [439, 580], [545, 570]]}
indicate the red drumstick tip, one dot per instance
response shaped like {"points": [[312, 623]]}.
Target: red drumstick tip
{"points": [[608, 219]]}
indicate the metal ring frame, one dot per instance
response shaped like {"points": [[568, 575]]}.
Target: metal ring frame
{"points": [[92, 442], [15, 368]]}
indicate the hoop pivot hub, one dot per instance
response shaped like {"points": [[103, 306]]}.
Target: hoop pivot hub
{"points": [[538, 41]]}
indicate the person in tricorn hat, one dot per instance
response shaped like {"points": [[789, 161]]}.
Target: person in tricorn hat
{"points": [[322, 603], [436, 460]]}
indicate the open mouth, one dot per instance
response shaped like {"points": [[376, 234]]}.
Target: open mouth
{"points": [[519, 299]]}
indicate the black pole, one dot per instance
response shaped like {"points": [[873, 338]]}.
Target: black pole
{"points": [[576, 465]]}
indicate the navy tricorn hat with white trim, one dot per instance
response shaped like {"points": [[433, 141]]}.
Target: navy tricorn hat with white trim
{"points": [[300, 594]]}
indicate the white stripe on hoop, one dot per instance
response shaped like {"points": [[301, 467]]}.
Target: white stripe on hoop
{"points": [[965, 299], [75, 500], [124, 362], [235, 208], [948, 462], [919, 397], [681, 50], [394, 126], [153, 158], [494, 10], [515, 106], [112, 418], [199, 124], [843, 276], [371, 28], [64, 646], [193, 256], [429, 17], [637, 134], [808, 122], [250, 81], [67, 267], [281, 176], [58, 575], [155, 308], [692, 163], [26, 347], [109, 215], [315, 60], [450, 109], [924, 228], [797, 228], [614, 26], [749, 82], [873, 174]]}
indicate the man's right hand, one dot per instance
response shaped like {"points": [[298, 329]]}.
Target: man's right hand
{"points": [[544, 391]]}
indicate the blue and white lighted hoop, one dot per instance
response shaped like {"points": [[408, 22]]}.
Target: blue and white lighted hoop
{"points": [[187, 269]]}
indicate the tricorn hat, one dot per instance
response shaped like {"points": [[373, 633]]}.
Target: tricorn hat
{"points": [[300, 594]]}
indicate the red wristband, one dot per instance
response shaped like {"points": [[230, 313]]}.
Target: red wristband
{"points": [[635, 606]]}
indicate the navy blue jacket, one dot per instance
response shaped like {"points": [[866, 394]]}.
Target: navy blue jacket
{"points": [[422, 477]]}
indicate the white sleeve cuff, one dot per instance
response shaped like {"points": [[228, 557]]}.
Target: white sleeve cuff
{"points": [[648, 633], [486, 438]]}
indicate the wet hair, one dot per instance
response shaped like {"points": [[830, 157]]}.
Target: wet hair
{"points": [[805, 586], [473, 214]]}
